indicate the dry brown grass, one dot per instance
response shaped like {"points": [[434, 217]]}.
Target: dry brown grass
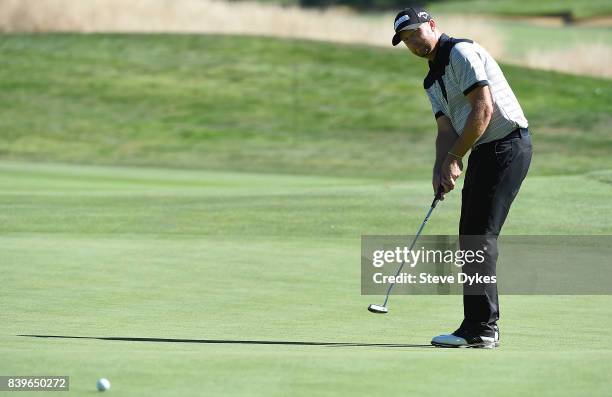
{"points": [[213, 16], [589, 59], [183, 16], [216, 16]]}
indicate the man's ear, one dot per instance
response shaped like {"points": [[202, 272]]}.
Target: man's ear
{"points": [[432, 24]]}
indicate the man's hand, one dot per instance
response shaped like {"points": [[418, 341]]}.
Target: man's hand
{"points": [[450, 171], [447, 136]]}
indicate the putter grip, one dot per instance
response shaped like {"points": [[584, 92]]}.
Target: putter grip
{"points": [[438, 196]]}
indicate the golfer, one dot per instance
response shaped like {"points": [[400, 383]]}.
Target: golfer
{"points": [[475, 109]]}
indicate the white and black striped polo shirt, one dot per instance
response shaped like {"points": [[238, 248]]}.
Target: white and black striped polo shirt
{"points": [[460, 65]]}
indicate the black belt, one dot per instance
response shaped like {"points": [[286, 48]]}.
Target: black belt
{"points": [[518, 133]]}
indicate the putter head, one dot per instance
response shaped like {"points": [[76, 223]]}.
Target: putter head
{"points": [[378, 309]]}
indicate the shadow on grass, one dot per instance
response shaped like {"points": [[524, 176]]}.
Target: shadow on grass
{"points": [[227, 341]]}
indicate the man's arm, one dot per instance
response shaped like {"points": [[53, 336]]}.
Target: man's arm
{"points": [[477, 121], [444, 142], [475, 126]]}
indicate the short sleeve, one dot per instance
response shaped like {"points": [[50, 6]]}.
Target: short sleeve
{"points": [[436, 106], [468, 67]]}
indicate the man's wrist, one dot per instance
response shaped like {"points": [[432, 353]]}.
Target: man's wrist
{"points": [[438, 165], [455, 156]]}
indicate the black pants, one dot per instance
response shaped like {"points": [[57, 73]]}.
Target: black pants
{"points": [[493, 178]]}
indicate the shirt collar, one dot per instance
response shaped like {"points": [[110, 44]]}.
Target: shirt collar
{"points": [[441, 58]]}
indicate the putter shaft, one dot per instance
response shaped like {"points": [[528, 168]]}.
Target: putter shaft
{"points": [[433, 205]]}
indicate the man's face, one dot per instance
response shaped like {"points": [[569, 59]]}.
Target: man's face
{"points": [[422, 40]]}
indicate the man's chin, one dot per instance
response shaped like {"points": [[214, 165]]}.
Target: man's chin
{"points": [[422, 53]]}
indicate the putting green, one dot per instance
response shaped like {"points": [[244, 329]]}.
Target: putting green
{"points": [[234, 257]]}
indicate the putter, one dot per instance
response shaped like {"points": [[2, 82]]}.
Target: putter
{"points": [[382, 309]]}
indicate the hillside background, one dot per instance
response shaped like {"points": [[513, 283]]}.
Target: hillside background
{"points": [[549, 34]]}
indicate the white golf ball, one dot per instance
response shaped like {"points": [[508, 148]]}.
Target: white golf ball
{"points": [[103, 384]]}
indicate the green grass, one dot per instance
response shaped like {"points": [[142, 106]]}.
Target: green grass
{"points": [[105, 251], [260, 105], [523, 37], [578, 9], [212, 187]]}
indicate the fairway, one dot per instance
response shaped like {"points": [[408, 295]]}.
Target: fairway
{"points": [[262, 105], [226, 258]]}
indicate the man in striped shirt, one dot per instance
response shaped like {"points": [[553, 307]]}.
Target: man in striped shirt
{"points": [[475, 109]]}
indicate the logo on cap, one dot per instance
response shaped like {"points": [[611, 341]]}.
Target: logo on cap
{"points": [[401, 20]]}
